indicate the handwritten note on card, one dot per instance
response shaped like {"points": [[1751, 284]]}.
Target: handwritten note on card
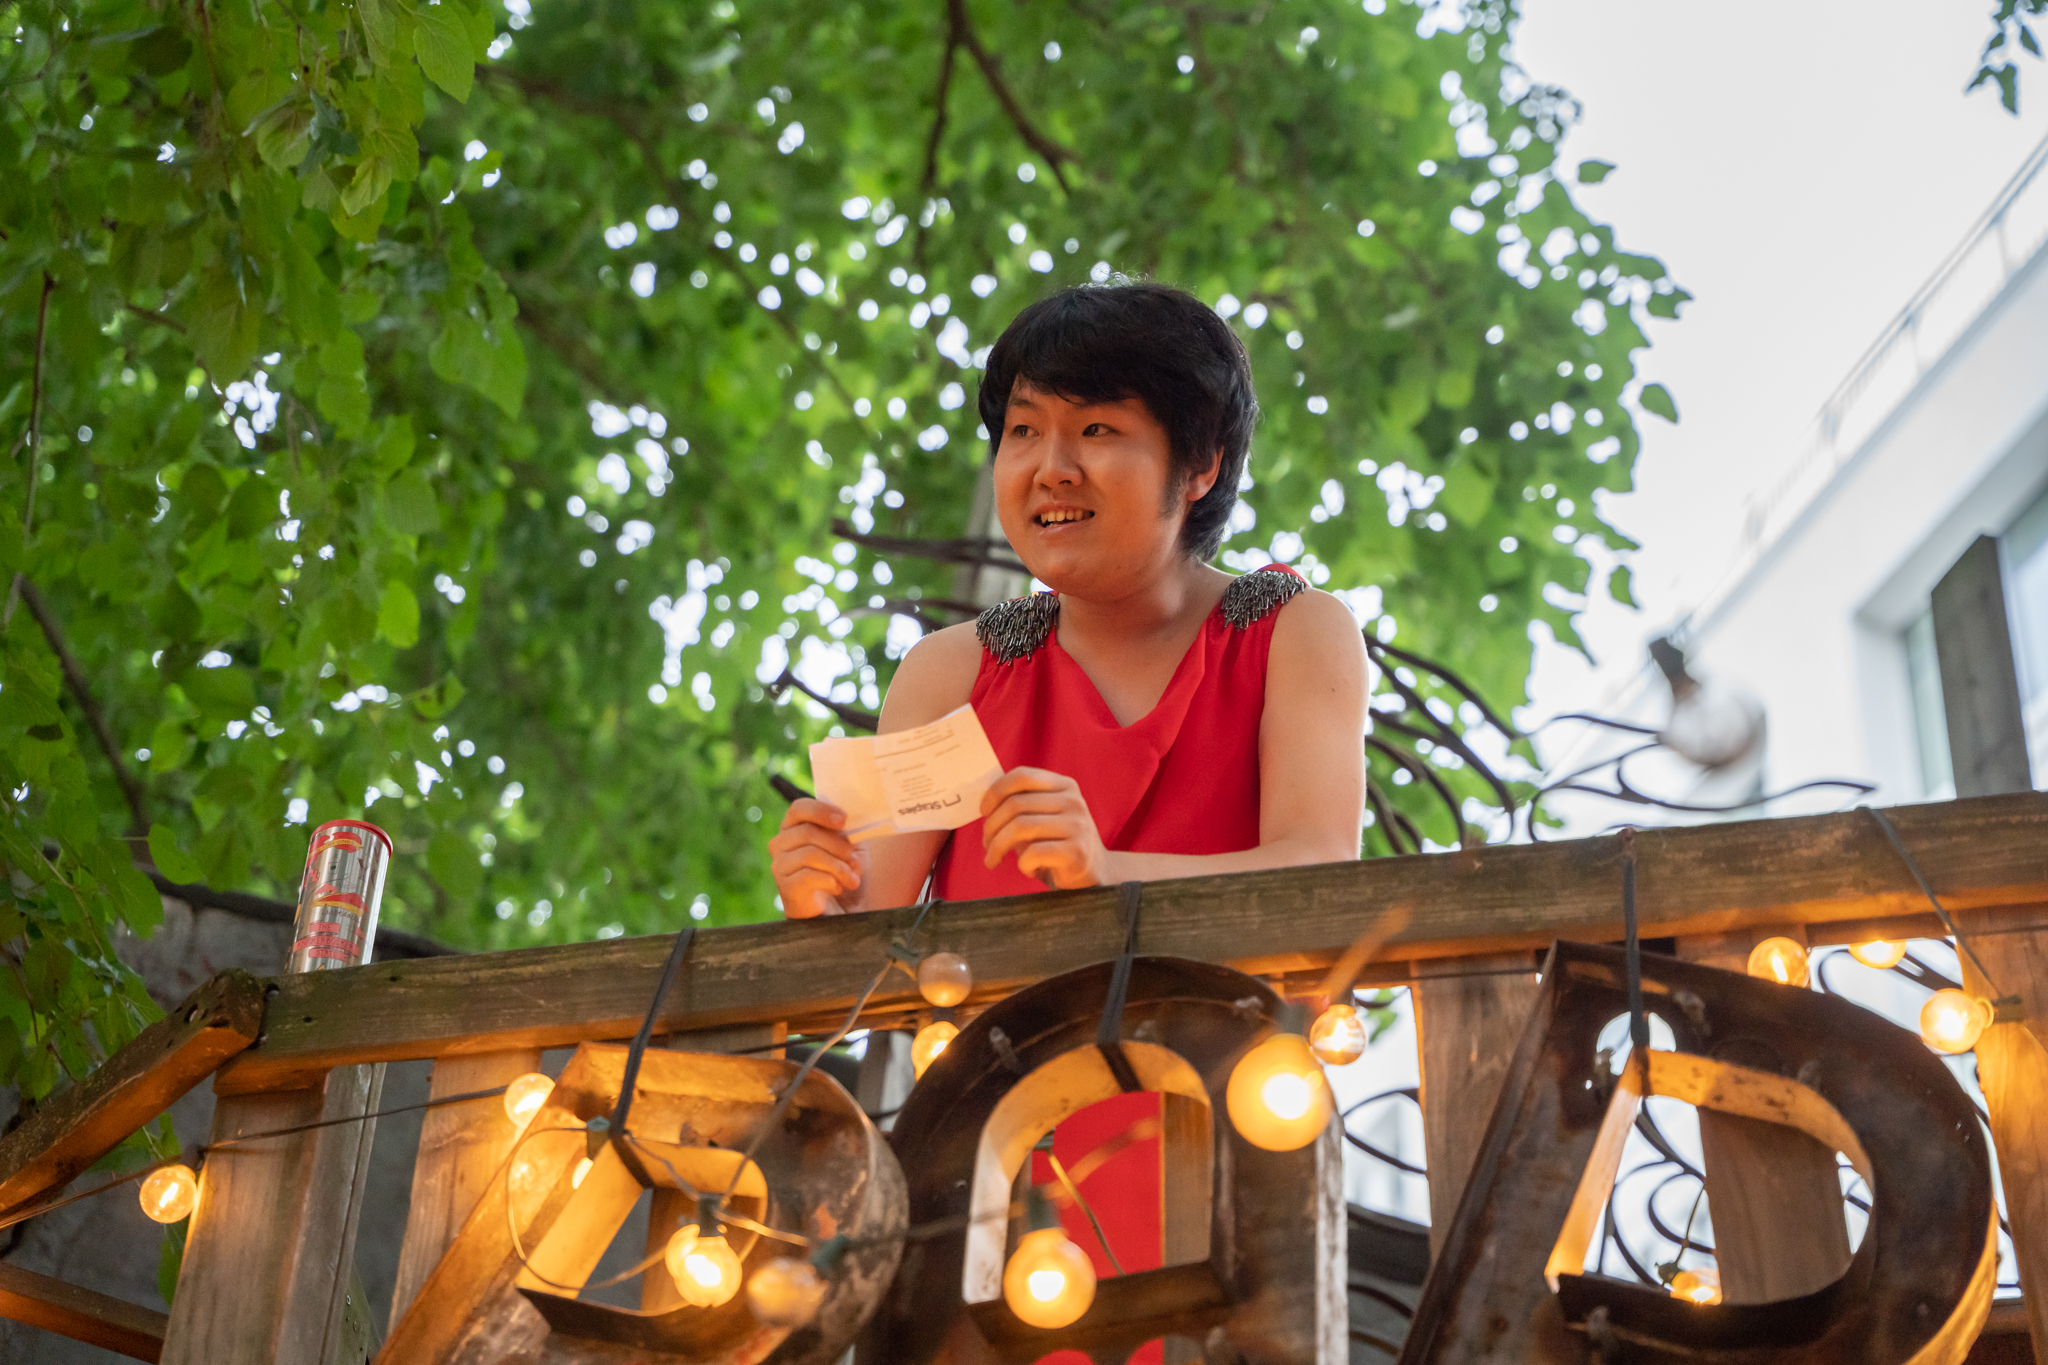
{"points": [[931, 777]]}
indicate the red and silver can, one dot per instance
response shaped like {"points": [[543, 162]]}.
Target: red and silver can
{"points": [[339, 895]]}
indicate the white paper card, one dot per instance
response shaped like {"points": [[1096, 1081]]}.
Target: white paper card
{"points": [[931, 777]]}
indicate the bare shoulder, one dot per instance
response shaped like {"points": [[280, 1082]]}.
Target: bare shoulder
{"points": [[1316, 629], [936, 676]]}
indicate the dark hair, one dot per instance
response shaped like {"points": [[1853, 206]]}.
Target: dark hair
{"points": [[1103, 342]]}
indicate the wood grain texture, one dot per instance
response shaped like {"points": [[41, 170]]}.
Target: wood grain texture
{"points": [[1989, 851], [461, 1148], [81, 1314], [2012, 1068], [1773, 1193], [267, 1262], [1466, 1028], [70, 1131]]}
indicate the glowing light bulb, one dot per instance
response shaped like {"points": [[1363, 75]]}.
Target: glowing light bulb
{"points": [[704, 1268], [944, 979], [1953, 1020], [1700, 1286], [169, 1193], [1049, 1281], [930, 1041], [786, 1292], [1277, 1097], [1879, 953], [525, 1096], [1781, 960], [1339, 1036], [582, 1170]]}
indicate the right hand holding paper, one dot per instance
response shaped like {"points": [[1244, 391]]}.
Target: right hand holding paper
{"points": [[931, 777]]}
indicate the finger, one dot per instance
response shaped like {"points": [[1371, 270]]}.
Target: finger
{"points": [[816, 860], [809, 810], [1037, 803], [808, 899], [1021, 780], [1029, 830], [811, 836], [1056, 862]]}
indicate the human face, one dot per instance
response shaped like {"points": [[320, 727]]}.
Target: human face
{"points": [[1084, 492]]}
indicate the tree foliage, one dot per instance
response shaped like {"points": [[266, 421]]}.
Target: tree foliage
{"points": [[439, 410], [2009, 29]]}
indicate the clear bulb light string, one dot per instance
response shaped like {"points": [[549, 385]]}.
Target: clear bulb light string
{"points": [[1940, 911]]}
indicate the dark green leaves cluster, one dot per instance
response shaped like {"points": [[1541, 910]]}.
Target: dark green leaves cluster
{"points": [[2009, 29], [447, 409]]}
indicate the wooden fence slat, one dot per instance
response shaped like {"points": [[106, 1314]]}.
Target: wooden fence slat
{"points": [[461, 1148], [266, 1275], [2012, 1068], [71, 1131], [81, 1314], [1774, 1194], [1711, 879], [1466, 1028]]}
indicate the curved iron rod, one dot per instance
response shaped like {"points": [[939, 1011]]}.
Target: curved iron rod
{"points": [[1451, 679], [1417, 768]]}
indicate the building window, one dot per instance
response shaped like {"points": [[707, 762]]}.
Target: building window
{"points": [[2025, 552], [1930, 721]]}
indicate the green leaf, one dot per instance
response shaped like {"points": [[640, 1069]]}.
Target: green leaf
{"points": [[1467, 493], [454, 865], [171, 860], [410, 504], [223, 326], [1593, 172], [1656, 398], [446, 48], [437, 701], [1619, 585], [398, 615]]}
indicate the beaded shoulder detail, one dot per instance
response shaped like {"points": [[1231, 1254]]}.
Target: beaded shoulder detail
{"points": [[1013, 630], [1254, 596]]}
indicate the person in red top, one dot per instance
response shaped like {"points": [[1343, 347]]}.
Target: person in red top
{"points": [[1155, 717]]}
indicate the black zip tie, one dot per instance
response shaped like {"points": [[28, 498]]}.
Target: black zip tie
{"points": [[1638, 1022], [2005, 1009], [670, 970], [1109, 1034]]}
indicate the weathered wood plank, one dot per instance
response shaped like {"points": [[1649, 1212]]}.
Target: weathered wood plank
{"points": [[1773, 1193], [1989, 851], [1467, 1028], [2012, 1068], [461, 1148], [81, 1314], [266, 1270], [68, 1133]]}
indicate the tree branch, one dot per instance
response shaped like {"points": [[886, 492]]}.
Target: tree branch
{"points": [[35, 442], [75, 676], [961, 550], [954, 16], [1053, 153]]}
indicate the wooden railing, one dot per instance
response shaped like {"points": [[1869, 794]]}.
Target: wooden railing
{"points": [[260, 1279]]}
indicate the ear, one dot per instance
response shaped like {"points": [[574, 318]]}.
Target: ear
{"points": [[1202, 480]]}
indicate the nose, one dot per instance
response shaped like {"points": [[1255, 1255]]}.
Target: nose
{"points": [[1058, 466]]}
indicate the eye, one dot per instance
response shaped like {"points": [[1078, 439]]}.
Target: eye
{"points": [[1095, 429], [1021, 429]]}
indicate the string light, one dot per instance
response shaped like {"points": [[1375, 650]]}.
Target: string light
{"points": [[1339, 1036], [169, 1193], [1277, 1097], [786, 1292], [1781, 960], [1701, 1286], [704, 1268], [525, 1096], [1049, 1282], [944, 979], [931, 1040], [1880, 953], [1953, 1020]]}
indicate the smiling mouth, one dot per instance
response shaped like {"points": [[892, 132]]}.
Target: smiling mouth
{"points": [[1061, 517]]}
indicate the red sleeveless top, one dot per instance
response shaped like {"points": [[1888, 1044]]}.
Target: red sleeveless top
{"points": [[1183, 779]]}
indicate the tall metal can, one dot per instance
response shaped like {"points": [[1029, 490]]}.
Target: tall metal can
{"points": [[339, 896]]}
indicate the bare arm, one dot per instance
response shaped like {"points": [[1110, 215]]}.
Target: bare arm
{"points": [[1311, 773], [818, 870]]}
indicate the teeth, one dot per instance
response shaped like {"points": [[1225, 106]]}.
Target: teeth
{"points": [[1054, 518]]}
